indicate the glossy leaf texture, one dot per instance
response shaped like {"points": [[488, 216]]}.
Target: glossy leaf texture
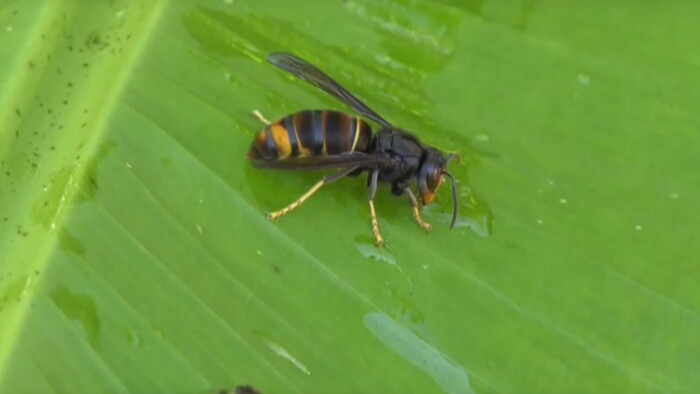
{"points": [[135, 255]]}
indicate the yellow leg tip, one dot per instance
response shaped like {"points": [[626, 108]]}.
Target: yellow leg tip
{"points": [[273, 216], [379, 241], [418, 219]]}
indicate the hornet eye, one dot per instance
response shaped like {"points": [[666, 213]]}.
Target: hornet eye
{"points": [[435, 179]]}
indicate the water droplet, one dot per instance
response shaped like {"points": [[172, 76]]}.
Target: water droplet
{"points": [[91, 184], [482, 138], [259, 252], [133, 338], [200, 229], [128, 165], [450, 376], [365, 245], [540, 221], [70, 244], [563, 200], [474, 214], [638, 227], [673, 196], [282, 352], [9, 29], [406, 313], [583, 79], [81, 308]]}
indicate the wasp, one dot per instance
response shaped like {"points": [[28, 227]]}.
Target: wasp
{"points": [[327, 139]]}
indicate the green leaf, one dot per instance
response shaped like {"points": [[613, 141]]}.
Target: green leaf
{"points": [[134, 251]]}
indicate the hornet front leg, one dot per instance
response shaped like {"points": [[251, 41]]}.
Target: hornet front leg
{"points": [[416, 213]]}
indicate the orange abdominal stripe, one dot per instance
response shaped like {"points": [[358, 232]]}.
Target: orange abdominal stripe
{"points": [[281, 138]]}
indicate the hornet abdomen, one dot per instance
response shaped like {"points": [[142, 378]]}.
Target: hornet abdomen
{"points": [[311, 133]]}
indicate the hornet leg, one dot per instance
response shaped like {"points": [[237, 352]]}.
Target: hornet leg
{"points": [[416, 214], [326, 180], [378, 240], [260, 117]]}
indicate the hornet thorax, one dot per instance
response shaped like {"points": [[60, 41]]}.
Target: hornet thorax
{"points": [[406, 150]]}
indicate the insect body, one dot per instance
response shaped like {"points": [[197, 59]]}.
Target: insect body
{"points": [[325, 139]]}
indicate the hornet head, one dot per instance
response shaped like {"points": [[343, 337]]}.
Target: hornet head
{"points": [[431, 174]]}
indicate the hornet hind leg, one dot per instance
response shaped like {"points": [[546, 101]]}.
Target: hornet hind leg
{"points": [[272, 216], [260, 117], [372, 189]]}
